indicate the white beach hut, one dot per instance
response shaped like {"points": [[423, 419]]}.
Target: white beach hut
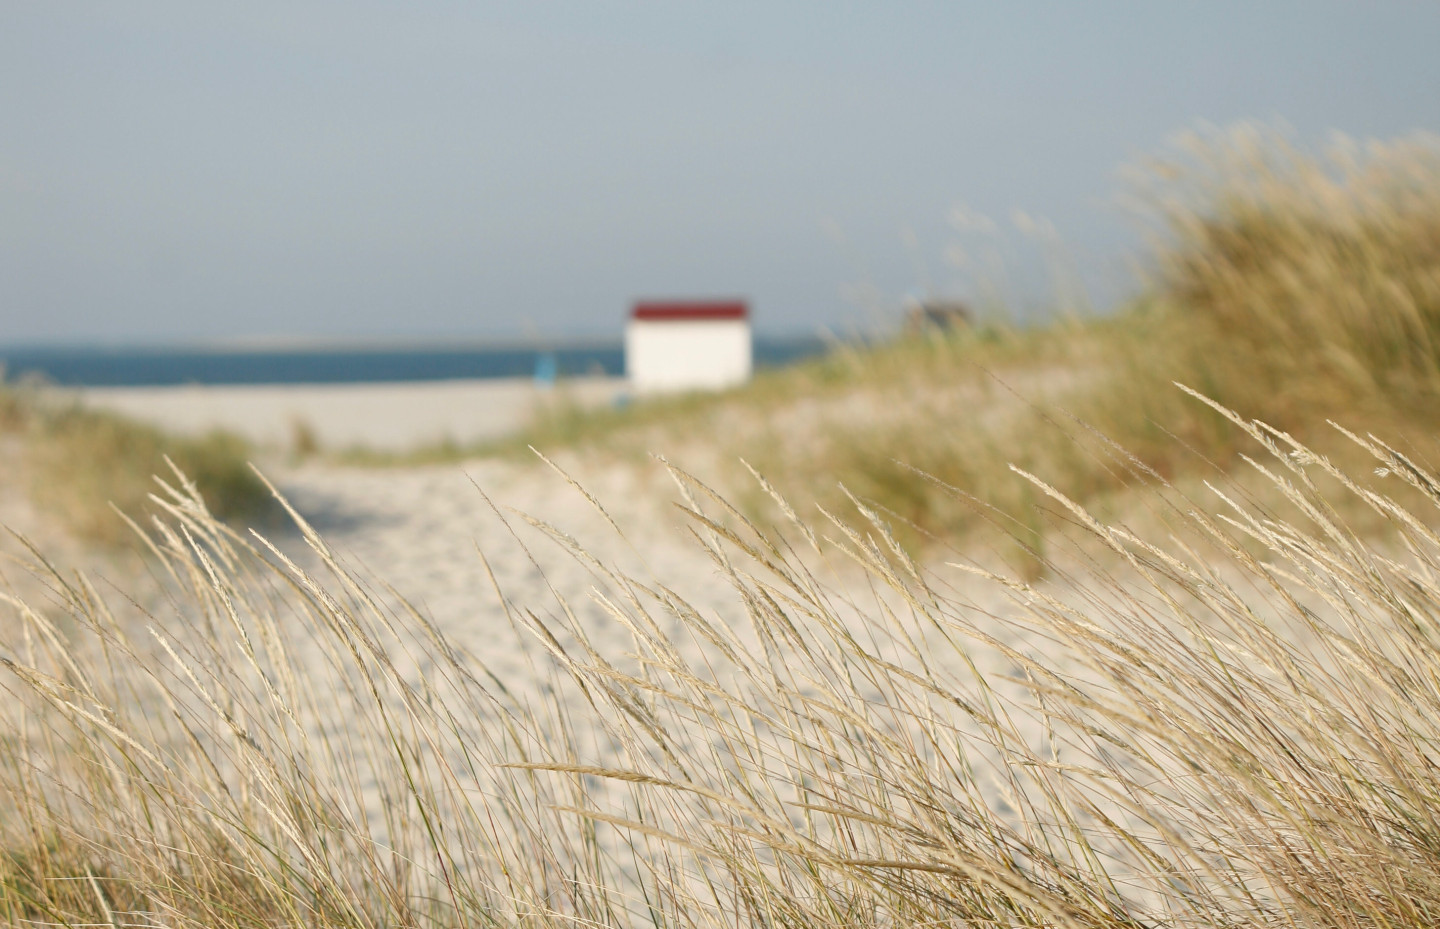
{"points": [[688, 345]]}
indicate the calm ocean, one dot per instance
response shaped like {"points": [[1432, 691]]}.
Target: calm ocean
{"points": [[136, 367]]}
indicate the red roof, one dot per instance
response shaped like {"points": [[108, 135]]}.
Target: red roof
{"points": [[682, 310]]}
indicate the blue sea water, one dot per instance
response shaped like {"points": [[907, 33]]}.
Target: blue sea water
{"points": [[135, 367]]}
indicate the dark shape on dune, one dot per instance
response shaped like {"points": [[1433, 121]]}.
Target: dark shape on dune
{"points": [[936, 314]]}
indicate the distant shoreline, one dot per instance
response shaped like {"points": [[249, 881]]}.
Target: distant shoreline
{"points": [[303, 344], [321, 344], [158, 366]]}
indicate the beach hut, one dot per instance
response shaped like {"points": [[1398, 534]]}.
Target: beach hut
{"points": [[688, 345]]}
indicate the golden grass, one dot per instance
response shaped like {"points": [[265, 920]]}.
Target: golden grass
{"points": [[1209, 738]]}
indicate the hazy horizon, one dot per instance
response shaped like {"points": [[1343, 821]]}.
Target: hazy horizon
{"points": [[361, 343], [183, 173]]}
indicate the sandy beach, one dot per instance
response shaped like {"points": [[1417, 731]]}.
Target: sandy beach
{"points": [[380, 416]]}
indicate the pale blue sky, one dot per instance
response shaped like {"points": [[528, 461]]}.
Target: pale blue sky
{"points": [[179, 170]]}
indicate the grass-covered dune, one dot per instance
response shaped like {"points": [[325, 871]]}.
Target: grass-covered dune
{"points": [[83, 467], [1293, 287]]}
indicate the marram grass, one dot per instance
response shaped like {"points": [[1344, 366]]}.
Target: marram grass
{"points": [[1237, 726]]}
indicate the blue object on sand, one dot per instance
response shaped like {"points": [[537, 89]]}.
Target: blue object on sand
{"points": [[546, 369]]}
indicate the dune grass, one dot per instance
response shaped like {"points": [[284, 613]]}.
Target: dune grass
{"points": [[80, 464], [1204, 738], [1294, 287]]}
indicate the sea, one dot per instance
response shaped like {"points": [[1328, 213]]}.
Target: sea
{"points": [[145, 367]]}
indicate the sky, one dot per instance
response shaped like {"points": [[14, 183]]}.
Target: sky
{"points": [[181, 171]]}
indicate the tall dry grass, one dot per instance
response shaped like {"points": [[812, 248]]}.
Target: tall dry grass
{"points": [[1292, 286], [1236, 727]]}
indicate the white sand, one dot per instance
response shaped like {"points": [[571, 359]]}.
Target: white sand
{"points": [[388, 416], [419, 529]]}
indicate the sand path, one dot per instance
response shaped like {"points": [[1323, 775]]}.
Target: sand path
{"points": [[421, 530]]}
